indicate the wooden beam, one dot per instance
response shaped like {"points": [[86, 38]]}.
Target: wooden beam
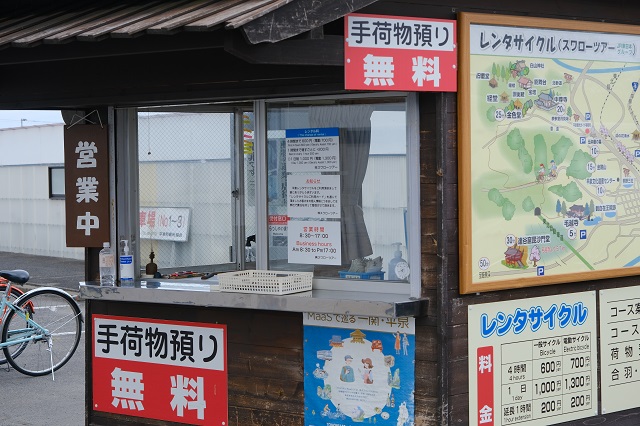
{"points": [[326, 51], [111, 48], [157, 78], [299, 17]]}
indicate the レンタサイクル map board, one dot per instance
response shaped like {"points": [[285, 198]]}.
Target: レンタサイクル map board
{"points": [[549, 151]]}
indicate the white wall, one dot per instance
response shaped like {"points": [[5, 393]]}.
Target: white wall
{"points": [[32, 145], [30, 222]]}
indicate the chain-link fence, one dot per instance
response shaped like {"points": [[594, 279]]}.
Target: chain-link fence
{"points": [[187, 189]]}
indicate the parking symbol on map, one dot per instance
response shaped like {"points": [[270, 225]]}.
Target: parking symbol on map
{"points": [[583, 234], [636, 152], [540, 271], [583, 140], [587, 116]]}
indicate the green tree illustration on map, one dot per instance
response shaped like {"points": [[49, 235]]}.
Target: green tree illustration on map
{"points": [[526, 107], [491, 114], [515, 141], [578, 166], [560, 149], [527, 204], [570, 192], [540, 149], [508, 208]]}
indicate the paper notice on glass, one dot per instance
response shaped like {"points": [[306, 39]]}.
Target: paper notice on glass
{"points": [[314, 242], [313, 150], [313, 196]]}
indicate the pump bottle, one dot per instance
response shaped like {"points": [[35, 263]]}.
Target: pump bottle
{"points": [[126, 266]]}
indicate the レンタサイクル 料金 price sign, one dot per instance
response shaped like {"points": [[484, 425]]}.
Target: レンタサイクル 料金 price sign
{"points": [[533, 362]]}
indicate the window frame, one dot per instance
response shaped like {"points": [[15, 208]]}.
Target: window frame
{"points": [[56, 195], [412, 288]]}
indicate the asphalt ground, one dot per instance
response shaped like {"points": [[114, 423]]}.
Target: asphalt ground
{"points": [[46, 271]]}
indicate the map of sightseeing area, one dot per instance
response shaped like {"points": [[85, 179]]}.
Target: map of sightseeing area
{"points": [[554, 153]]}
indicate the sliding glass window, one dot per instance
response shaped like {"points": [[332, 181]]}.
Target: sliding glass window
{"points": [[337, 188]]}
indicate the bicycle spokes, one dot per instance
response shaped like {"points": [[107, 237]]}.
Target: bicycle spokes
{"points": [[55, 321]]}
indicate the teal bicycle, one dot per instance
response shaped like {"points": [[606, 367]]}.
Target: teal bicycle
{"points": [[40, 328]]}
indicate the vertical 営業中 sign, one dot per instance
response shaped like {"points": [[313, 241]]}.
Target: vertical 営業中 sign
{"points": [[86, 159]]}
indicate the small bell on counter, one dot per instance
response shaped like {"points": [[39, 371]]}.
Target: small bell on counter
{"points": [[152, 268]]}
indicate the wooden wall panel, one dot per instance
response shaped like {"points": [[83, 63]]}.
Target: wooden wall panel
{"points": [[429, 415], [426, 385], [265, 363]]}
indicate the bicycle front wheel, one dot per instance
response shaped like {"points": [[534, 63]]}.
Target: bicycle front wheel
{"points": [[59, 314]]}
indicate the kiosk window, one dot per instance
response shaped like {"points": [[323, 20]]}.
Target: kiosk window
{"points": [[325, 181], [189, 165]]}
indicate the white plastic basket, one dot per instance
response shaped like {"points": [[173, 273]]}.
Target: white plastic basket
{"points": [[265, 282]]}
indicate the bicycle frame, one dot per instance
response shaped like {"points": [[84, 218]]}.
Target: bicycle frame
{"points": [[10, 288], [33, 332], [32, 326], [22, 325]]}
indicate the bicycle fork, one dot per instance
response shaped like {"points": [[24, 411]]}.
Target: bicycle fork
{"points": [[50, 349]]}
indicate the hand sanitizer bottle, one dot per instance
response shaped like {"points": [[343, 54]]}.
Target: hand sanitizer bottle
{"points": [[126, 266]]}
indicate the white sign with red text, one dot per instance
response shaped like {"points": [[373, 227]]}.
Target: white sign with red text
{"points": [[313, 196], [400, 53], [164, 223], [167, 370], [314, 242], [278, 230]]}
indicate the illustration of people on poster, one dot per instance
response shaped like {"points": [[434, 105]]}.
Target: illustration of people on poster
{"points": [[363, 373]]}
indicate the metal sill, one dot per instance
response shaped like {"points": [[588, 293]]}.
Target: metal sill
{"points": [[320, 301]]}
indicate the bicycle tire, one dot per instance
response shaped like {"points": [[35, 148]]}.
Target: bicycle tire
{"points": [[56, 311], [14, 294]]}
